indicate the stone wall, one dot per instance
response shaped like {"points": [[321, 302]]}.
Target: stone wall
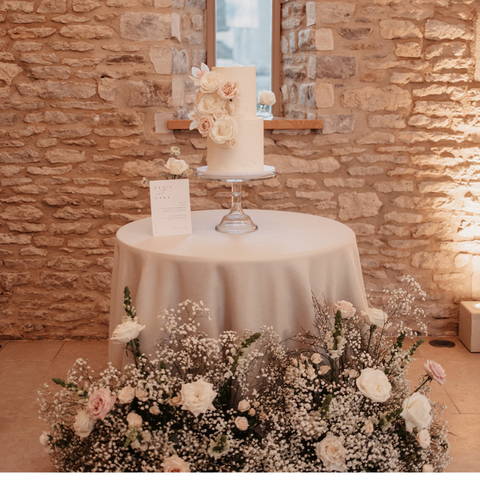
{"points": [[86, 89]]}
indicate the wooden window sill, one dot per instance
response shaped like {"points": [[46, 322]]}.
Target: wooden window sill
{"points": [[275, 124]]}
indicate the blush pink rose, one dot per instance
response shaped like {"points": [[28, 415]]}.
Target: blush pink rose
{"points": [[100, 403], [435, 371], [228, 89]]}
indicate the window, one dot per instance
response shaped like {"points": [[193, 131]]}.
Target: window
{"points": [[246, 32]]}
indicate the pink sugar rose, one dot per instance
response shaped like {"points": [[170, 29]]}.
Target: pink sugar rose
{"points": [[100, 403], [435, 371]]}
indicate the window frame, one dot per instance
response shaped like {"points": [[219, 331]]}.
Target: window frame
{"points": [[276, 48]]}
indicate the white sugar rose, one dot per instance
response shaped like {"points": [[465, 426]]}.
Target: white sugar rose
{"points": [[197, 397], [435, 371], [416, 412], [83, 424], [210, 81], [204, 125], [176, 167], [209, 104], [241, 423], [266, 97], [126, 332], [175, 464], [224, 130], [332, 453], [374, 385], [228, 89], [126, 394], [375, 316], [346, 308], [423, 438], [134, 420]]}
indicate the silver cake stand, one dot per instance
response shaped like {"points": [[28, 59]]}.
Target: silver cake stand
{"points": [[236, 221]]}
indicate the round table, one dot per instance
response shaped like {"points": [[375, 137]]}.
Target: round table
{"points": [[262, 278]]}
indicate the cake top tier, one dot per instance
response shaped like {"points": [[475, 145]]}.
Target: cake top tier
{"points": [[246, 79]]}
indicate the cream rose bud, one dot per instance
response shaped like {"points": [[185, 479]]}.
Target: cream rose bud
{"points": [[368, 427], [175, 464], [210, 81], [243, 406], [346, 308], [83, 424], [266, 97], [375, 316], [316, 358], [435, 371], [332, 453], [241, 423], [175, 401], [126, 332], [176, 167], [126, 394], [197, 397], [423, 438], [134, 420], [224, 130], [416, 412], [374, 385], [228, 89], [251, 412]]}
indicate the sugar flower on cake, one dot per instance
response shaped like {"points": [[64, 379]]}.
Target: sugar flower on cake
{"points": [[197, 397], [224, 131]]}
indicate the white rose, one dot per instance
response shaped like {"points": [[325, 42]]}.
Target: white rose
{"points": [[375, 316], [332, 453], [83, 424], [141, 394], [228, 89], [205, 124], [368, 427], [346, 308], [316, 358], [266, 97], [416, 412], [44, 440], [427, 468], [374, 385], [241, 423], [126, 332], [175, 464], [197, 397], [224, 130], [209, 104], [423, 438], [176, 167], [126, 394], [134, 420], [210, 81], [243, 406]]}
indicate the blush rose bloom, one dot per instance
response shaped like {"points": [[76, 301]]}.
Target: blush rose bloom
{"points": [[416, 412], [224, 130], [427, 468], [100, 403], [266, 97], [243, 406], [205, 124], [374, 385], [332, 453], [435, 371], [197, 397], [176, 167], [347, 309], [126, 332], [375, 316], [423, 438], [126, 394], [83, 424], [241, 423], [134, 420], [210, 81], [228, 89], [175, 464]]}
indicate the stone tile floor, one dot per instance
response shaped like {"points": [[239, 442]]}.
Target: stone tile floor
{"points": [[26, 365]]}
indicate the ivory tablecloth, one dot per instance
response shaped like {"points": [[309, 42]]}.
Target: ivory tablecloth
{"points": [[262, 278]]}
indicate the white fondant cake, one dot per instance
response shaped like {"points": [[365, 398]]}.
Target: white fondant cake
{"points": [[226, 113]]}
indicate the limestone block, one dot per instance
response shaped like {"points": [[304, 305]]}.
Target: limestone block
{"points": [[324, 96], [365, 171], [74, 46], [9, 280], [344, 182], [404, 78], [65, 156], [88, 32], [129, 3], [84, 6], [410, 49], [450, 49], [18, 6], [386, 121], [437, 30], [307, 39], [289, 164], [372, 99], [39, 58], [337, 123], [52, 6], [358, 205], [176, 27], [438, 108], [403, 217], [107, 89], [59, 73], [428, 122], [334, 12], [180, 61], [336, 67], [391, 29], [27, 46], [430, 260], [22, 33], [20, 18], [310, 9], [389, 187], [26, 213], [324, 39], [56, 280], [148, 93], [69, 19], [413, 12], [354, 33], [377, 138], [23, 156], [9, 71]]}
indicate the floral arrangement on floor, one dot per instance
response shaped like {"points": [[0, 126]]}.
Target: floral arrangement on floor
{"points": [[247, 403], [216, 102], [175, 167]]}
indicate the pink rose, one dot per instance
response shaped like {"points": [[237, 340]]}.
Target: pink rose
{"points": [[346, 308], [435, 371], [175, 464], [228, 89], [204, 126], [100, 403]]}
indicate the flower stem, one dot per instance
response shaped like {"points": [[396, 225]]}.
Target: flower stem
{"points": [[427, 379]]}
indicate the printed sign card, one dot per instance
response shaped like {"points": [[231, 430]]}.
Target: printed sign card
{"points": [[170, 203]]}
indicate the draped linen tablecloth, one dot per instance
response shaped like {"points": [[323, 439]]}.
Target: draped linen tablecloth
{"points": [[262, 278]]}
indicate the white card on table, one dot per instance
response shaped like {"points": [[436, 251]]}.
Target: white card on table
{"points": [[170, 203]]}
